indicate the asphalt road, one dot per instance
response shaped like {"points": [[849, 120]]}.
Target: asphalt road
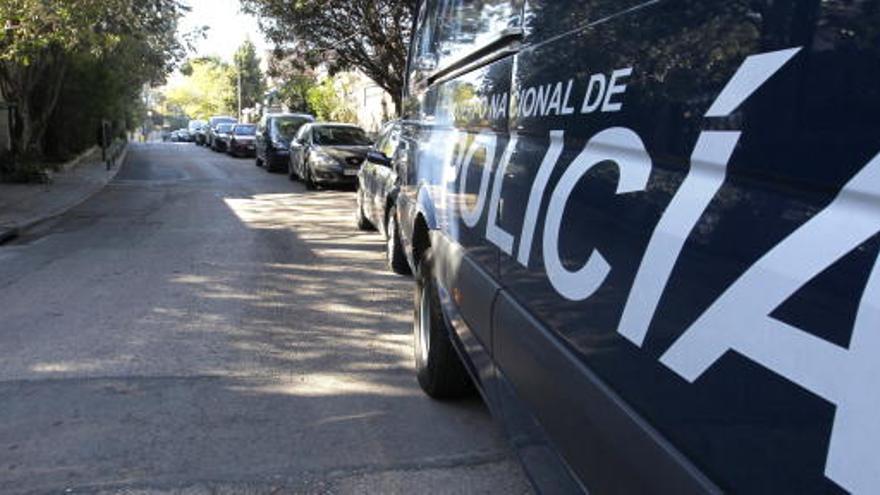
{"points": [[201, 326]]}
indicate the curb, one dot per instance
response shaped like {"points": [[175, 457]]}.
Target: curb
{"points": [[77, 160], [7, 234], [10, 232]]}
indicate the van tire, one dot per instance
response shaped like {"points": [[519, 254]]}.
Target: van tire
{"points": [[439, 369]]}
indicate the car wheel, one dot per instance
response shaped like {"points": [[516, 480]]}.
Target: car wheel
{"points": [[393, 249], [307, 177], [291, 171], [361, 220], [439, 369]]}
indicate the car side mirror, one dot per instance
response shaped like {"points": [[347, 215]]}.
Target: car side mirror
{"points": [[378, 158]]}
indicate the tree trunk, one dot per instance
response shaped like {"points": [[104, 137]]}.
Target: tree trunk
{"points": [[34, 104]]}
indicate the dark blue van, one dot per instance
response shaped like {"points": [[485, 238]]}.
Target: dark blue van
{"points": [[647, 233]]}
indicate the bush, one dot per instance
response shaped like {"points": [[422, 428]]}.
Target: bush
{"points": [[324, 100]]}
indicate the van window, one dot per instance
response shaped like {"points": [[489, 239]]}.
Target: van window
{"points": [[547, 19], [423, 56], [464, 26]]}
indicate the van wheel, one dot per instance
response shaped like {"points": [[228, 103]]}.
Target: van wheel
{"points": [[440, 371], [360, 219], [393, 249]]}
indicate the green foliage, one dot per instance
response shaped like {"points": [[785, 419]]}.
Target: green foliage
{"points": [[368, 35], [247, 64], [206, 89], [285, 65], [295, 92], [33, 26], [325, 103], [79, 58]]}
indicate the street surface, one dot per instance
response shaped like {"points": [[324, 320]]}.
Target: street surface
{"points": [[202, 326]]}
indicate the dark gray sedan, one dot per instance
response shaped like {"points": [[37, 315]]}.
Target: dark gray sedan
{"points": [[328, 153]]}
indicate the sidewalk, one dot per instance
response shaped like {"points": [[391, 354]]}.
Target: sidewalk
{"points": [[24, 205]]}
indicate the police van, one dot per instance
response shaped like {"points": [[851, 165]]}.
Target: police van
{"points": [[647, 233]]}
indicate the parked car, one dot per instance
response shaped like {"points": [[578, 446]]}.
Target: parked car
{"points": [[647, 233], [274, 133], [328, 153], [193, 128], [183, 136], [377, 190], [211, 132], [221, 137], [201, 135], [240, 142]]}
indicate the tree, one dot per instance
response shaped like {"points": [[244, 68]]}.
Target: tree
{"points": [[295, 80], [247, 64], [206, 89], [326, 104], [369, 35], [41, 38]]}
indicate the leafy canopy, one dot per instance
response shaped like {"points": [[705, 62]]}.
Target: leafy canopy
{"points": [[206, 89], [247, 63], [369, 35]]}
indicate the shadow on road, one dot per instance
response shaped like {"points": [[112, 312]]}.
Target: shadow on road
{"points": [[223, 329]]}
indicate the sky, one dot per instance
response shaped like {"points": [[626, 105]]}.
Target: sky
{"points": [[228, 28]]}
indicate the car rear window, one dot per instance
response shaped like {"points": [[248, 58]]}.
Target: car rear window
{"points": [[341, 135], [288, 126], [245, 130]]}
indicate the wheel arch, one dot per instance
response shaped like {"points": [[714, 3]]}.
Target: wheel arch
{"points": [[424, 222]]}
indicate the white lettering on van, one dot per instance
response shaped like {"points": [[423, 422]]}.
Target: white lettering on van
{"points": [[567, 109], [595, 91], [536, 195], [602, 89], [494, 232], [615, 88], [485, 142], [626, 149], [740, 321], [499, 106], [706, 176]]}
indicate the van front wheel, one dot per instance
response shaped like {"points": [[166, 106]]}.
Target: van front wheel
{"points": [[439, 369]]}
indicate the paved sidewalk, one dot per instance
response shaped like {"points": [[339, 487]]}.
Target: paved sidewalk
{"points": [[24, 205]]}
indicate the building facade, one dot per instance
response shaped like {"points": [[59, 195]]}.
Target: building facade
{"points": [[372, 104]]}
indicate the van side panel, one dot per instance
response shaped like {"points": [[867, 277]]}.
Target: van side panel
{"points": [[688, 140]]}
